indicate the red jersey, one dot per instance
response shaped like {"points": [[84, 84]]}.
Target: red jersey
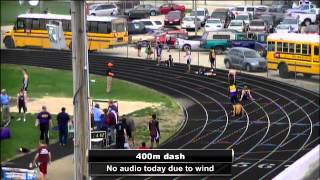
{"points": [[43, 154]]}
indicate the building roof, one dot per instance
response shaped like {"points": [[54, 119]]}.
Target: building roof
{"points": [[65, 17], [295, 37]]}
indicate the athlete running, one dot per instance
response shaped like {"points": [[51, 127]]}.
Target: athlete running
{"points": [[232, 90]]}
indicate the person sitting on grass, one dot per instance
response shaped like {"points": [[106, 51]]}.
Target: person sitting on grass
{"points": [[42, 159]]}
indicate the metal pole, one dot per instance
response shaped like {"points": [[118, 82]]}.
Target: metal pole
{"points": [[195, 19], [295, 70], [179, 55], [80, 89]]}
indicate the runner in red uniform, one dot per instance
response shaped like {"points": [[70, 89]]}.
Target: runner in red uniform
{"points": [[43, 157]]}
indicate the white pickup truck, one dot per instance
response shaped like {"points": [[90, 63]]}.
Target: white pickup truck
{"points": [[305, 18], [306, 13]]}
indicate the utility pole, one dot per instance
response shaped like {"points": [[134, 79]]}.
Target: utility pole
{"points": [[80, 89]]}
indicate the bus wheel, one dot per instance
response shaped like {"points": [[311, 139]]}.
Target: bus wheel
{"points": [[307, 75], [283, 71], [9, 43]]}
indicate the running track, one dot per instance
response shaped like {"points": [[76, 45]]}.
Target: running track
{"points": [[279, 127]]}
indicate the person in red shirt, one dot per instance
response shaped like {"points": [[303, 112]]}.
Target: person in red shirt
{"points": [[43, 157], [143, 146], [109, 77]]}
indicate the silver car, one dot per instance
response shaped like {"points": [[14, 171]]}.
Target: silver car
{"points": [[244, 58]]}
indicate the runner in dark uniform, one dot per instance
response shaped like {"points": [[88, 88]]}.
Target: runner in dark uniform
{"points": [[154, 131], [246, 94], [21, 104], [120, 134]]}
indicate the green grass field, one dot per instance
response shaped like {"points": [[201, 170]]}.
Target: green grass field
{"points": [[11, 9], [58, 83]]}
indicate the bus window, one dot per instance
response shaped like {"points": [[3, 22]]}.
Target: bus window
{"points": [[104, 27], [270, 46], [291, 48], [20, 24], [316, 50], [305, 49], [279, 46], [28, 23], [298, 48], [42, 24], [93, 28], [285, 47], [66, 26], [36, 24]]}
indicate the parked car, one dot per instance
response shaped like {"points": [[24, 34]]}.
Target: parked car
{"points": [[166, 8], [311, 29], [254, 40], [270, 20], [244, 58], [172, 35], [213, 25], [189, 23], [138, 13], [188, 43], [202, 14], [292, 22], [136, 28], [260, 11], [173, 18], [219, 41], [243, 9], [304, 8], [238, 25], [225, 16], [305, 18], [283, 28], [150, 24], [258, 26], [246, 17], [152, 10], [103, 10]]}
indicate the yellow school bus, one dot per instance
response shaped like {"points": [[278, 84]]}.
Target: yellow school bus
{"points": [[293, 52], [102, 32]]}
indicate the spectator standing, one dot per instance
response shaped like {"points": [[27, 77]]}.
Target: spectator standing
{"points": [[112, 120], [44, 118], [158, 51], [5, 107], [96, 111], [63, 119], [43, 158], [154, 131], [120, 134], [168, 41], [109, 77], [139, 46], [130, 128], [25, 83], [188, 59], [21, 104], [212, 59], [149, 51], [170, 61], [112, 106]]}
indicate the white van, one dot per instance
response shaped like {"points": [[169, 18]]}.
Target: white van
{"points": [[150, 24], [202, 14], [243, 9]]}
